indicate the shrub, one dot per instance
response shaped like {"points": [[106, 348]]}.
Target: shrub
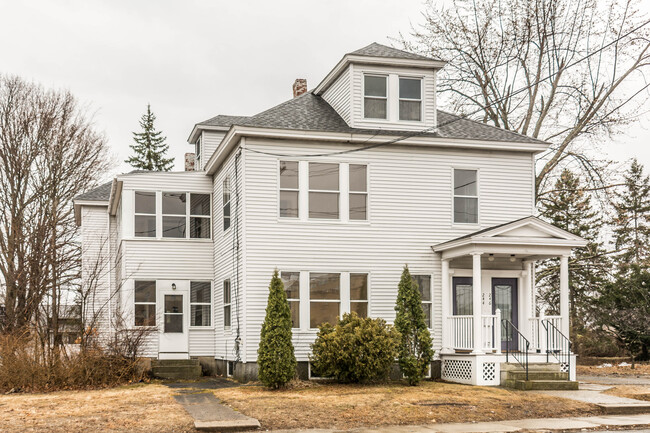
{"points": [[355, 350], [415, 352], [276, 360]]}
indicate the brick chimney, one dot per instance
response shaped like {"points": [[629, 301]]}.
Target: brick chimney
{"points": [[299, 87], [190, 161]]}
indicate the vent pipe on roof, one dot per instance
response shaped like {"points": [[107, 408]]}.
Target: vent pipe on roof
{"points": [[299, 87]]}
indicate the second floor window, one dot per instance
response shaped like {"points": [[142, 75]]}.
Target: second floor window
{"points": [[358, 192], [465, 196], [375, 97], [145, 214], [289, 189], [200, 216], [410, 99], [226, 203], [177, 215], [323, 190], [174, 213]]}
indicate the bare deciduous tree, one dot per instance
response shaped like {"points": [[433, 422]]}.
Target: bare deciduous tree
{"points": [[551, 69]]}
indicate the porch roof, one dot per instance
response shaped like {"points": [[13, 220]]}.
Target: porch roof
{"points": [[528, 237]]}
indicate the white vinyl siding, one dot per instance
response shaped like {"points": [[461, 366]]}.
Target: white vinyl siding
{"points": [[338, 95], [210, 140]]}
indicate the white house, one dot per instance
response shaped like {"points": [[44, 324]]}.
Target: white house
{"points": [[338, 188]]}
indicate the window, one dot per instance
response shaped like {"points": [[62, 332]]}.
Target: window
{"points": [[145, 303], [410, 99], [226, 203], [323, 190], [465, 196], [197, 149], [173, 313], [200, 216], [226, 303], [424, 285], [358, 192], [325, 298], [174, 212], [359, 294], [200, 304], [375, 99], [289, 189], [145, 214], [291, 281], [462, 296]]}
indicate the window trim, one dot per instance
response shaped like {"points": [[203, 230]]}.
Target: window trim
{"points": [[155, 214], [198, 149], [228, 304], [386, 98], [366, 193], [289, 300], [190, 215], [367, 300], [477, 197], [430, 302], [154, 303], [280, 189], [201, 303], [327, 191], [420, 100], [310, 300], [224, 203], [163, 214]]}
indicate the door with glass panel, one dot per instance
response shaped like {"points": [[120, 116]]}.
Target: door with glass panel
{"points": [[173, 311], [504, 297]]}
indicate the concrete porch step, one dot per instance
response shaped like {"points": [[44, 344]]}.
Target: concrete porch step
{"points": [[185, 369], [537, 375], [174, 362], [538, 385]]}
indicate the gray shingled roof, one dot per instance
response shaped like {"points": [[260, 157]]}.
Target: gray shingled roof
{"points": [[379, 50], [101, 193], [309, 112], [224, 120]]}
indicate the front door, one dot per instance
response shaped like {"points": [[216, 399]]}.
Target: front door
{"points": [[174, 334], [504, 297]]}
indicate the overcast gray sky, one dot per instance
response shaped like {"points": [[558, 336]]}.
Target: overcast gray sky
{"points": [[195, 59]]}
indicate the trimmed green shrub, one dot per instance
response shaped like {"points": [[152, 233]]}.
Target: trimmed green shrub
{"points": [[415, 351], [355, 350], [275, 357]]}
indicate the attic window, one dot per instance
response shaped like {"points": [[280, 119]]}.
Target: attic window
{"points": [[410, 99], [375, 97]]}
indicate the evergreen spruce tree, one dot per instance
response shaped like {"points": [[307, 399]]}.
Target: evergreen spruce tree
{"points": [[415, 351], [276, 359], [569, 207], [149, 148], [632, 220]]}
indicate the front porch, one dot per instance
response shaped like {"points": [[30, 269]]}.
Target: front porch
{"points": [[489, 303]]}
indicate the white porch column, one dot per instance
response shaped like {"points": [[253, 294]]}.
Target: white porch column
{"points": [[526, 300], [444, 299], [564, 294], [476, 304]]}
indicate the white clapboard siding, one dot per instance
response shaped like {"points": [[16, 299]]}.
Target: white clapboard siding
{"points": [[174, 181], [166, 259], [202, 342], [209, 142], [410, 208], [338, 95], [428, 98]]}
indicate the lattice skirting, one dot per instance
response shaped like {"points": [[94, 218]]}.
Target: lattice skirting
{"points": [[489, 371], [457, 369]]}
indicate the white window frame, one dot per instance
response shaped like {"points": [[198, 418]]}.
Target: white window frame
{"points": [[420, 100], [280, 189], [477, 196], [227, 304], [209, 304], [366, 193], [155, 294], [190, 215], [163, 214], [197, 150], [358, 301], [295, 299], [226, 181], [430, 301], [386, 98], [155, 214], [328, 191], [310, 300]]}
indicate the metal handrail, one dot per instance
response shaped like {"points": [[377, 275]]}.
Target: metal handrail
{"points": [[559, 354], [521, 357]]}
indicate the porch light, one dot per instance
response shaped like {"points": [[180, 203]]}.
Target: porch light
{"points": [[512, 257], [173, 286], [491, 257]]}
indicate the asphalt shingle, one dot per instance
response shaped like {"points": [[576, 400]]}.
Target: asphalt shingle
{"points": [[379, 50], [101, 193]]}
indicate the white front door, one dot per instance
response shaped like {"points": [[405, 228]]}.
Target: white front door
{"points": [[173, 312]]}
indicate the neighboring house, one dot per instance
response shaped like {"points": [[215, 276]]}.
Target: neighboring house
{"points": [[338, 188]]}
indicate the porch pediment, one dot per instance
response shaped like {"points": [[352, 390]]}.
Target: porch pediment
{"points": [[528, 236]]}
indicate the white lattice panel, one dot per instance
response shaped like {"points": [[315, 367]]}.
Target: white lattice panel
{"points": [[457, 369], [489, 371]]}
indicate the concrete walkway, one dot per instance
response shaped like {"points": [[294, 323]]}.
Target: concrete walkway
{"points": [[610, 404], [210, 415]]}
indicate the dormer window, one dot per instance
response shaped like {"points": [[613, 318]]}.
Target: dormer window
{"points": [[375, 103], [410, 99], [197, 148]]}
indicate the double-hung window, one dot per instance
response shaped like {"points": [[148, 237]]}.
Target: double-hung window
{"points": [[358, 192], [289, 188], [424, 286], [410, 99], [200, 216], [359, 294], [226, 304], [226, 203], [324, 298], [174, 214], [145, 214], [200, 303], [145, 303], [291, 282], [465, 196], [323, 190], [375, 97], [197, 151]]}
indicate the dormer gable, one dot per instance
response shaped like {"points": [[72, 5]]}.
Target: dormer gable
{"points": [[379, 87]]}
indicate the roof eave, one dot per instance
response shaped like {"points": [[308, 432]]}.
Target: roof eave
{"points": [[194, 135], [77, 204], [370, 60]]}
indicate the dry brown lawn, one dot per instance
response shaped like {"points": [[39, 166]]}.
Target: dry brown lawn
{"points": [[642, 370], [139, 408], [350, 406], [638, 392]]}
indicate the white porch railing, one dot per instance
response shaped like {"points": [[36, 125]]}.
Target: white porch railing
{"points": [[538, 337], [461, 332]]}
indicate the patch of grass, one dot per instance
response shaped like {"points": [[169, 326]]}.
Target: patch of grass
{"points": [[351, 406], [637, 392], [640, 369]]}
